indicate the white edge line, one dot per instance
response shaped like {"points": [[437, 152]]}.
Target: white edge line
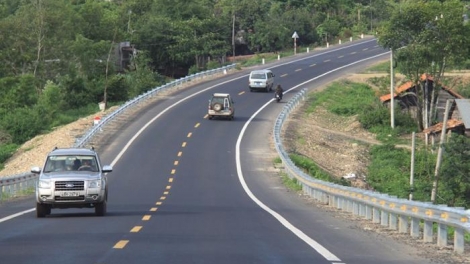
{"points": [[315, 245], [17, 214]]}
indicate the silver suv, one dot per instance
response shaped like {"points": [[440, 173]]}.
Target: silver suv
{"points": [[221, 105], [71, 178]]}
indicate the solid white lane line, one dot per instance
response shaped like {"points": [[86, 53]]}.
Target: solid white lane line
{"points": [[17, 214]]}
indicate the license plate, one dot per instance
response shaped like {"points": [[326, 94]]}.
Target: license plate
{"points": [[70, 194]]}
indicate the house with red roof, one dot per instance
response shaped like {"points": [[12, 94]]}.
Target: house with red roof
{"points": [[459, 114]]}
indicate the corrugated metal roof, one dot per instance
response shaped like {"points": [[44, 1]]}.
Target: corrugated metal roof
{"points": [[464, 109], [408, 85], [451, 124]]}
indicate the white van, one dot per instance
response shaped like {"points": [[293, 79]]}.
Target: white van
{"points": [[261, 80]]}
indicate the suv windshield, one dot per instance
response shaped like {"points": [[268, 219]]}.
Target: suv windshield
{"points": [[70, 163]]}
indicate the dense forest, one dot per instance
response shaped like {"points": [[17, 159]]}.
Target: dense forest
{"points": [[61, 57]]}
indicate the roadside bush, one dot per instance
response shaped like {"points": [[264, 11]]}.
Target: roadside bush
{"points": [[389, 171], [6, 151], [23, 124], [193, 69], [374, 115], [213, 64], [313, 170], [343, 98]]}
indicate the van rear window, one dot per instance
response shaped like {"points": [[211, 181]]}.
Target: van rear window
{"points": [[258, 76]]}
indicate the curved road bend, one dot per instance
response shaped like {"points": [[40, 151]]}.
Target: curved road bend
{"points": [[186, 189]]}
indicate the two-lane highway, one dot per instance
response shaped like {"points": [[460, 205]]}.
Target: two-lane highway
{"points": [[186, 189]]}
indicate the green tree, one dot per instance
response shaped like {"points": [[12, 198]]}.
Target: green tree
{"points": [[17, 92], [454, 182], [426, 38]]}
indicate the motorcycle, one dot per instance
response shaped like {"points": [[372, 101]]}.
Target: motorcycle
{"points": [[278, 97]]}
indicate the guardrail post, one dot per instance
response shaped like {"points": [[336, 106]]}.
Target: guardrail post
{"points": [[376, 216], [8, 190], [331, 201], [324, 198], [403, 224], [393, 221], [368, 213], [427, 231], [384, 218], [459, 242], [341, 202], [414, 227], [441, 235], [355, 208], [362, 209], [350, 206]]}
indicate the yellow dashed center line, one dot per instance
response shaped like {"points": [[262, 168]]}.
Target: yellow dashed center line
{"points": [[168, 187], [146, 217], [173, 171], [284, 75], [184, 144], [197, 125], [158, 203], [240, 93], [180, 153], [162, 198], [190, 134], [170, 180], [121, 244], [165, 193], [153, 209], [175, 163], [136, 229], [206, 116]]}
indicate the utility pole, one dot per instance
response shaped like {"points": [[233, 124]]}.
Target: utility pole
{"points": [[233, 34], [439, 153], [392, 92], [412, 171], [370, 10]]}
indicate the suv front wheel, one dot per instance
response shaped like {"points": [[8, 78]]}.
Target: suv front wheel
{"points": [[42, 210], [100, 208]]}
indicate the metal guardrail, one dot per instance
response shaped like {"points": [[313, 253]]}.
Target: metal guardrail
{"points": [[15, 184], [389, 211]]}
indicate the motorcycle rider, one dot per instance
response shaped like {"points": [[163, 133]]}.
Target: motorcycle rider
{"points": [[279, 91]]}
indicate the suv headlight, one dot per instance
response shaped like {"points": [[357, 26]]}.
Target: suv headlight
{"points": [[94, 184], [45, 184]]}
